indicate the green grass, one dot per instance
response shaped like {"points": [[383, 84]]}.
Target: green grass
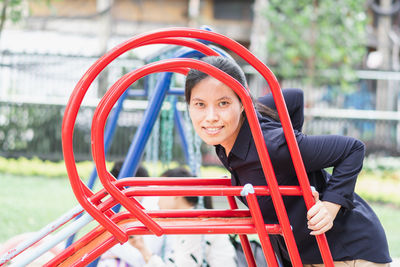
{"points": [[34, 193], [29, 203], [380, 186], [389, 216]]}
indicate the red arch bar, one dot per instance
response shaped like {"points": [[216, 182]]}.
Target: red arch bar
{"points": [[77, 97]]}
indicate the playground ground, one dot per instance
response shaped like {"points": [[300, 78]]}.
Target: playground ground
{"points": [[31, 202]]}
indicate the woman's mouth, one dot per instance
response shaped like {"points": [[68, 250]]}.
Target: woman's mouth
{"points": [[212, 130]]}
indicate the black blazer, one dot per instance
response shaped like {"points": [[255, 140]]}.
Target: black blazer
{"points": [[357, 232]]}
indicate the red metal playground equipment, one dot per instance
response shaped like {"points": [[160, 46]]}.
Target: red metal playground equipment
{"points": [[116, 227]]}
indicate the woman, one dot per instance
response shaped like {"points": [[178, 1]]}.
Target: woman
{"points": [[353, 231], [188, 250]]}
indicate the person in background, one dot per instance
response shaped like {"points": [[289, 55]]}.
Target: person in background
{"points": [[188, 250], [125, 255], [116, 169]]}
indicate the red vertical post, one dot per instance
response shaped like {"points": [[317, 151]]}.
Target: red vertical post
{"points": [[244, 240], [248, 192]]}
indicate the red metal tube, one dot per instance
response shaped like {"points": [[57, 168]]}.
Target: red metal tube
{"points": [[76, 99], [94, 254], [80, 189], [269, 253], [244, 240], [183, 225], [205, 191], [113, 94], [149, 181]]}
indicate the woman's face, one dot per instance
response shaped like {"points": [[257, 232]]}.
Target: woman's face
{"points": [[216, 113]]}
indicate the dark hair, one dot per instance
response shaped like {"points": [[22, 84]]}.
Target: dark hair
{"points": [[177, 172], [140, 172], [267, 111], [230, 67], [225, 64], [183, 172]]}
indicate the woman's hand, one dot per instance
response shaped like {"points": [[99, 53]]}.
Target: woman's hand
{"points": [[138, 242], [321, 216]]}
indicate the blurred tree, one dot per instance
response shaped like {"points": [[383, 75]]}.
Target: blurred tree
{"points": [[13, 10], [316, 41], [10, 9]]}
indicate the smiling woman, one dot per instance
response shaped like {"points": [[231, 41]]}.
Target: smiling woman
{"points": [[346, 219], [216, 113], [215, 109]]}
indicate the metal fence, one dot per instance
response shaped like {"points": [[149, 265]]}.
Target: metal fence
{"points": [[33, 129], [44, 76], [379, 130], [34, 89]]}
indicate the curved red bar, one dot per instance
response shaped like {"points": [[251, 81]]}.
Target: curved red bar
{"points": [[81, 191], [144, 39], [113, 94]]}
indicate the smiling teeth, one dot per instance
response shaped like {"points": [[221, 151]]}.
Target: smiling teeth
{"points": [[213, 129]]}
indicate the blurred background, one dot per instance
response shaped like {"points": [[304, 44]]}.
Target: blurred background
{"points": [[344, 54]]}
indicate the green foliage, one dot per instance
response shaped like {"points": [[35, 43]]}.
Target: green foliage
{"points": [[316, 41], [31, 128], [43, 168], [13, 9], [10, 10], [382, 164], [35, 130]]}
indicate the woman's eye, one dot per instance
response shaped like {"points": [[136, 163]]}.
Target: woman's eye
{"points": [[199, 104], [223, 103]]}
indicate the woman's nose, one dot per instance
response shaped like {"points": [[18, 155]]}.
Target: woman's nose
{"points": [[212, 114]]}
